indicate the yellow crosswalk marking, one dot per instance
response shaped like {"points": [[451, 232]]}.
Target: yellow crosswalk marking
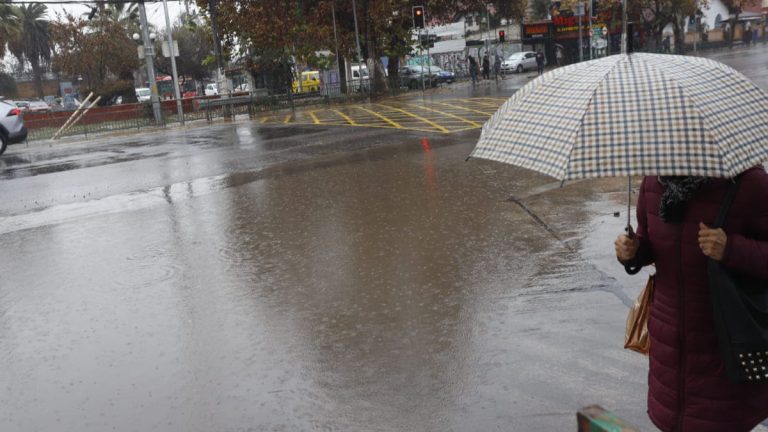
{"points": [[464, 108], [345, 117], [418, 117], [473, 123], [288, 118], [315, 120], [386, 119]]}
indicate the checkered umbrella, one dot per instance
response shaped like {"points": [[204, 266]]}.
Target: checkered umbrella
{"points": [[637, 114]]}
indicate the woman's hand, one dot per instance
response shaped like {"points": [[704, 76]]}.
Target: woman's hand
{"points": [[712, 241], [626, 247]]}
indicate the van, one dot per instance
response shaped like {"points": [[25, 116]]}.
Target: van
{"points": [[310, 82], [143, 94], [360, 78]]}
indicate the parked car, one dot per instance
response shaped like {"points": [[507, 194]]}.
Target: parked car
{"points": [[411, 77], [310, 82], [39, 107], [211, 89], [12, 128], [22, 105], [520, 61], [443, 76], [143, 94]]}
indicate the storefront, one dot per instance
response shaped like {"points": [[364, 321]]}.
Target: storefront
{"points": [[559, 38], [538, 36]]}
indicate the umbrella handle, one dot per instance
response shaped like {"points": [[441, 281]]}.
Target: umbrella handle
{"points": [[630, 232]]}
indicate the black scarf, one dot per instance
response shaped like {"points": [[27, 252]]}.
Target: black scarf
{"points": [[674, 201]]}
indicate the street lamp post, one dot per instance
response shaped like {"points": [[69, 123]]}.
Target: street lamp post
{"points": [[149, 52], [179, 108]]}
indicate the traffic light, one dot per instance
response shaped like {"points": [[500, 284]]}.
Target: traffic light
{"points": [[501, 36], [418, 17]]}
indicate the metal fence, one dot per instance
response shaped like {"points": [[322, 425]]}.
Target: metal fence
{"points": [[140, 116]]}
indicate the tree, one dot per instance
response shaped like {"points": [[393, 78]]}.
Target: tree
{"points": [[124, 14], [540, 9], [10, 26], [7, 85], [33, 44], [195, 45], [101, 53]]}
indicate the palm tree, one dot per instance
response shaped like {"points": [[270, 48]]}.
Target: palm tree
{"points": [[33, 44], [10, 26]]}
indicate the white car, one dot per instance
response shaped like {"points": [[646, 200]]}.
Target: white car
{"points": [[211, 90], [521, 61], [143, 94]]}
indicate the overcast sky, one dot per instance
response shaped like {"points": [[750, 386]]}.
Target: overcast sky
{"points": [[155, 13]]}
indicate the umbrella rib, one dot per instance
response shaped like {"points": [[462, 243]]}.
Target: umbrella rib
{"points": [[565, 173]]}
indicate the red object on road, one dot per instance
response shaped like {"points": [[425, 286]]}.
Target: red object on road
{"points": [[425, 144]]}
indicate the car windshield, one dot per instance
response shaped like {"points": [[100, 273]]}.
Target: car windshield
{"points": [[516, 56], [143, 92]]}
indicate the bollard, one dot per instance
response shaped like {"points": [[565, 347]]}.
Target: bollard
{"points": [[595, 418]]}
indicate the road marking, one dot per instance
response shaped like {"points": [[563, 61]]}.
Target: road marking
{"points": [[287, 118], [346, 117], [264, 119], [473, 123], [393, 123], [314, 117], [464, 108], [418, 117]]}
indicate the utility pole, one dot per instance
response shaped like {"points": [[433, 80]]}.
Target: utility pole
{"points": [[591, 30], [623, 26], [179, 108], [357, 43], [335, 39], [488, 27], [149, 53], [217, 47], [580, 11]]}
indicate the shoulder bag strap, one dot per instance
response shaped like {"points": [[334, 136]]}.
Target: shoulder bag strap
{"points": [[727, 202]]}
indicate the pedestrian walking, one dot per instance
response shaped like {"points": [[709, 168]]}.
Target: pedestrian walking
{"points": [[747, 36], [667, 45], [540, 60], [486, 68], [688, 389], [497, 66], [473, 69]]}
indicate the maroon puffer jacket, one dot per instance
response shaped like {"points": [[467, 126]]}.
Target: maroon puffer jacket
{"points": [[688, 388]]}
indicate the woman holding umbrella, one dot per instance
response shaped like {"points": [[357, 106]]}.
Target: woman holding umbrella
{"points": [[689, 125], [688, 387]]}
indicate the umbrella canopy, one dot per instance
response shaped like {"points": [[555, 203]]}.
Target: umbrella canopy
{"points": [[636, 114]]}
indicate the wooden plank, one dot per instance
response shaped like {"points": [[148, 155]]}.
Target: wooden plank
{"points": [[595, 418]]}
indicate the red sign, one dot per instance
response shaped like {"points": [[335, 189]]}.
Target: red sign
{"points": [[536, 30]]}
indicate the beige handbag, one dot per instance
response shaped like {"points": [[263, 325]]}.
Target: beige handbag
{"points": [[636, 336]]}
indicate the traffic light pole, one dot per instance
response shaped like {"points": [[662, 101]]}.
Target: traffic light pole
{"points": [[421, 57]]}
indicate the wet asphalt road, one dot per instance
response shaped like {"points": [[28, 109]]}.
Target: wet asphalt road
{"points": [[241, 277]]}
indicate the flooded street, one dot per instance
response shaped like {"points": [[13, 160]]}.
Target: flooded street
{"points": [[242, 277]]}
